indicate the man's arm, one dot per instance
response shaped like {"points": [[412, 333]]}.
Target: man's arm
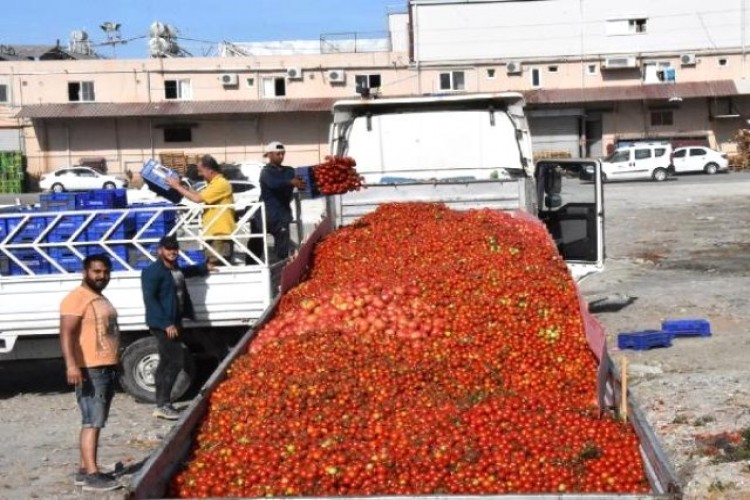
{"points": [[191, 195], [70, 329], [277, 180]]}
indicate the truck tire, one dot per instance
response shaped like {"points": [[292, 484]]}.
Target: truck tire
{"points": [[139, 361]]}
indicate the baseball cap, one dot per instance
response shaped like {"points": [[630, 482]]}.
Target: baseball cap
{"points": [[273, 146], [169, 242]]}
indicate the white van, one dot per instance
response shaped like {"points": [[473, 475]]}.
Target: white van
{"points": [[639, 161]]}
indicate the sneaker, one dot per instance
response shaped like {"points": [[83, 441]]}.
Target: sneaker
{"points": [[80, 477], [100, 482], [166, 412]]}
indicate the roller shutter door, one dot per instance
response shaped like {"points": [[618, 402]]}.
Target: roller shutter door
{"points": [[10, 139], [554, 134]]}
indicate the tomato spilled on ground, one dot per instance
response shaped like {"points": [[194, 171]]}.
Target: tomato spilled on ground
{"points": [[430, 351]]}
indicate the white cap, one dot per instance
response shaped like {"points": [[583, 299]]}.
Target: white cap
{"points": [[272, 147]]}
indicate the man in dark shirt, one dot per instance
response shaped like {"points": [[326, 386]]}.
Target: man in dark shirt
{"points": [[167, 302], [277, 183]]}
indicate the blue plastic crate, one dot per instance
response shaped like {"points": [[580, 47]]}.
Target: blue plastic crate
{"points": [[643, 340], [157, 174], [67, 259], [51, 202], [687, 327], [105, 199], [30, 228], [311, 189], [102, 223], [120, 250], [31, 259], [64, 228], [138, 260], [197, 256], [3, 231]]}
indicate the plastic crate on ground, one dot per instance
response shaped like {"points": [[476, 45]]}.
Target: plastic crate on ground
{"points": [[311, 189], [643, 340], [687, 327], [103, 199]]}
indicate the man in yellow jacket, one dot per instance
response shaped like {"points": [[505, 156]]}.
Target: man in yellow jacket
{"points": [[218, 221]]}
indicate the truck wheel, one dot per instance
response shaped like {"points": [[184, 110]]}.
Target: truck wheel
{"points": [[711, 168], [139, 362], [660, 174]]}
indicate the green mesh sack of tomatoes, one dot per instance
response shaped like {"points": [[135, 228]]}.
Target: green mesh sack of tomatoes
{"points": [[337, 175], [430, 352]]}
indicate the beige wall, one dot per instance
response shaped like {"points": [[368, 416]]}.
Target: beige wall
{"points": [[127, 142]]}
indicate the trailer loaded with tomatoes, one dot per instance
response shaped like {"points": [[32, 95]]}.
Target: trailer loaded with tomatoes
{"points": [[462, 363], [430, 338]]}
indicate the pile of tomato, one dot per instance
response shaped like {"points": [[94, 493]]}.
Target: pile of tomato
{"points": [[429, 352], [337, 175]]}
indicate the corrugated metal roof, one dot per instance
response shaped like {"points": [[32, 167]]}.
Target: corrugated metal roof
{"points": [[173, 108], [665, 91]]}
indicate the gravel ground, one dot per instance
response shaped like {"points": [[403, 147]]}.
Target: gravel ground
{"points": [[680, 247]]}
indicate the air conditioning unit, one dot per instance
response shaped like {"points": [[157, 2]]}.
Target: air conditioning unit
{"points": [[514, 68], [687, 59], [620, 62], [336, 75], [294, 73], [229, 79]]}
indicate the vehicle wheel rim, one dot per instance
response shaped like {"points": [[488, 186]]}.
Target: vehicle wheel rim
{"points": [[57, 188], [109, 185], [145, 370], [711, 169], [660, 175]]}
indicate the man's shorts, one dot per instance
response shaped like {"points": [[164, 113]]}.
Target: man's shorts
{"points": [[95, 395]]}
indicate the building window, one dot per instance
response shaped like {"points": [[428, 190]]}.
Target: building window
{"points": [[552, 69], [178, 134], [491, 73], [632, 26], [250, 82], [453, 80], [723, 61], [80, 91], [592, 69], [536, 77], [662, 118], [274, 87], [367, 81], [656, 72], [3, 93], [178, 89]]}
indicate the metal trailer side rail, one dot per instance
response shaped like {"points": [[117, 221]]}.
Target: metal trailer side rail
{"points": [[152, 481]]}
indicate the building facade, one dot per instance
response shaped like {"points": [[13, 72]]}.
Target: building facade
{"points": [[595, 74]]}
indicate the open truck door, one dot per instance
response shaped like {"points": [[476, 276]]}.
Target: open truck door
{"points": [[571, 205]]}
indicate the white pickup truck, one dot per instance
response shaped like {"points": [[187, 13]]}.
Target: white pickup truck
{"points": [[35, 279]]}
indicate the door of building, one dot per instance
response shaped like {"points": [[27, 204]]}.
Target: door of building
{"points": [[554, 136]]}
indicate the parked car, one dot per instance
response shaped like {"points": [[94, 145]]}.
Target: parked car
{"points": [[699, 159], [639, 161], [79, 178]]}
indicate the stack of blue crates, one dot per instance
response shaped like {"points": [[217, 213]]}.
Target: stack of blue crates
{"points": [[197, 256], [161, 224]]}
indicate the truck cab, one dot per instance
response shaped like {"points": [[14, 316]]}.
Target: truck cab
{"points": [[468, 151]]}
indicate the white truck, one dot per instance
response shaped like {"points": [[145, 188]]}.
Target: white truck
{"points": [[468, 151], [40, 258]]}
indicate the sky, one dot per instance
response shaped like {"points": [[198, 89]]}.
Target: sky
{"points": [[46, 21]]}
